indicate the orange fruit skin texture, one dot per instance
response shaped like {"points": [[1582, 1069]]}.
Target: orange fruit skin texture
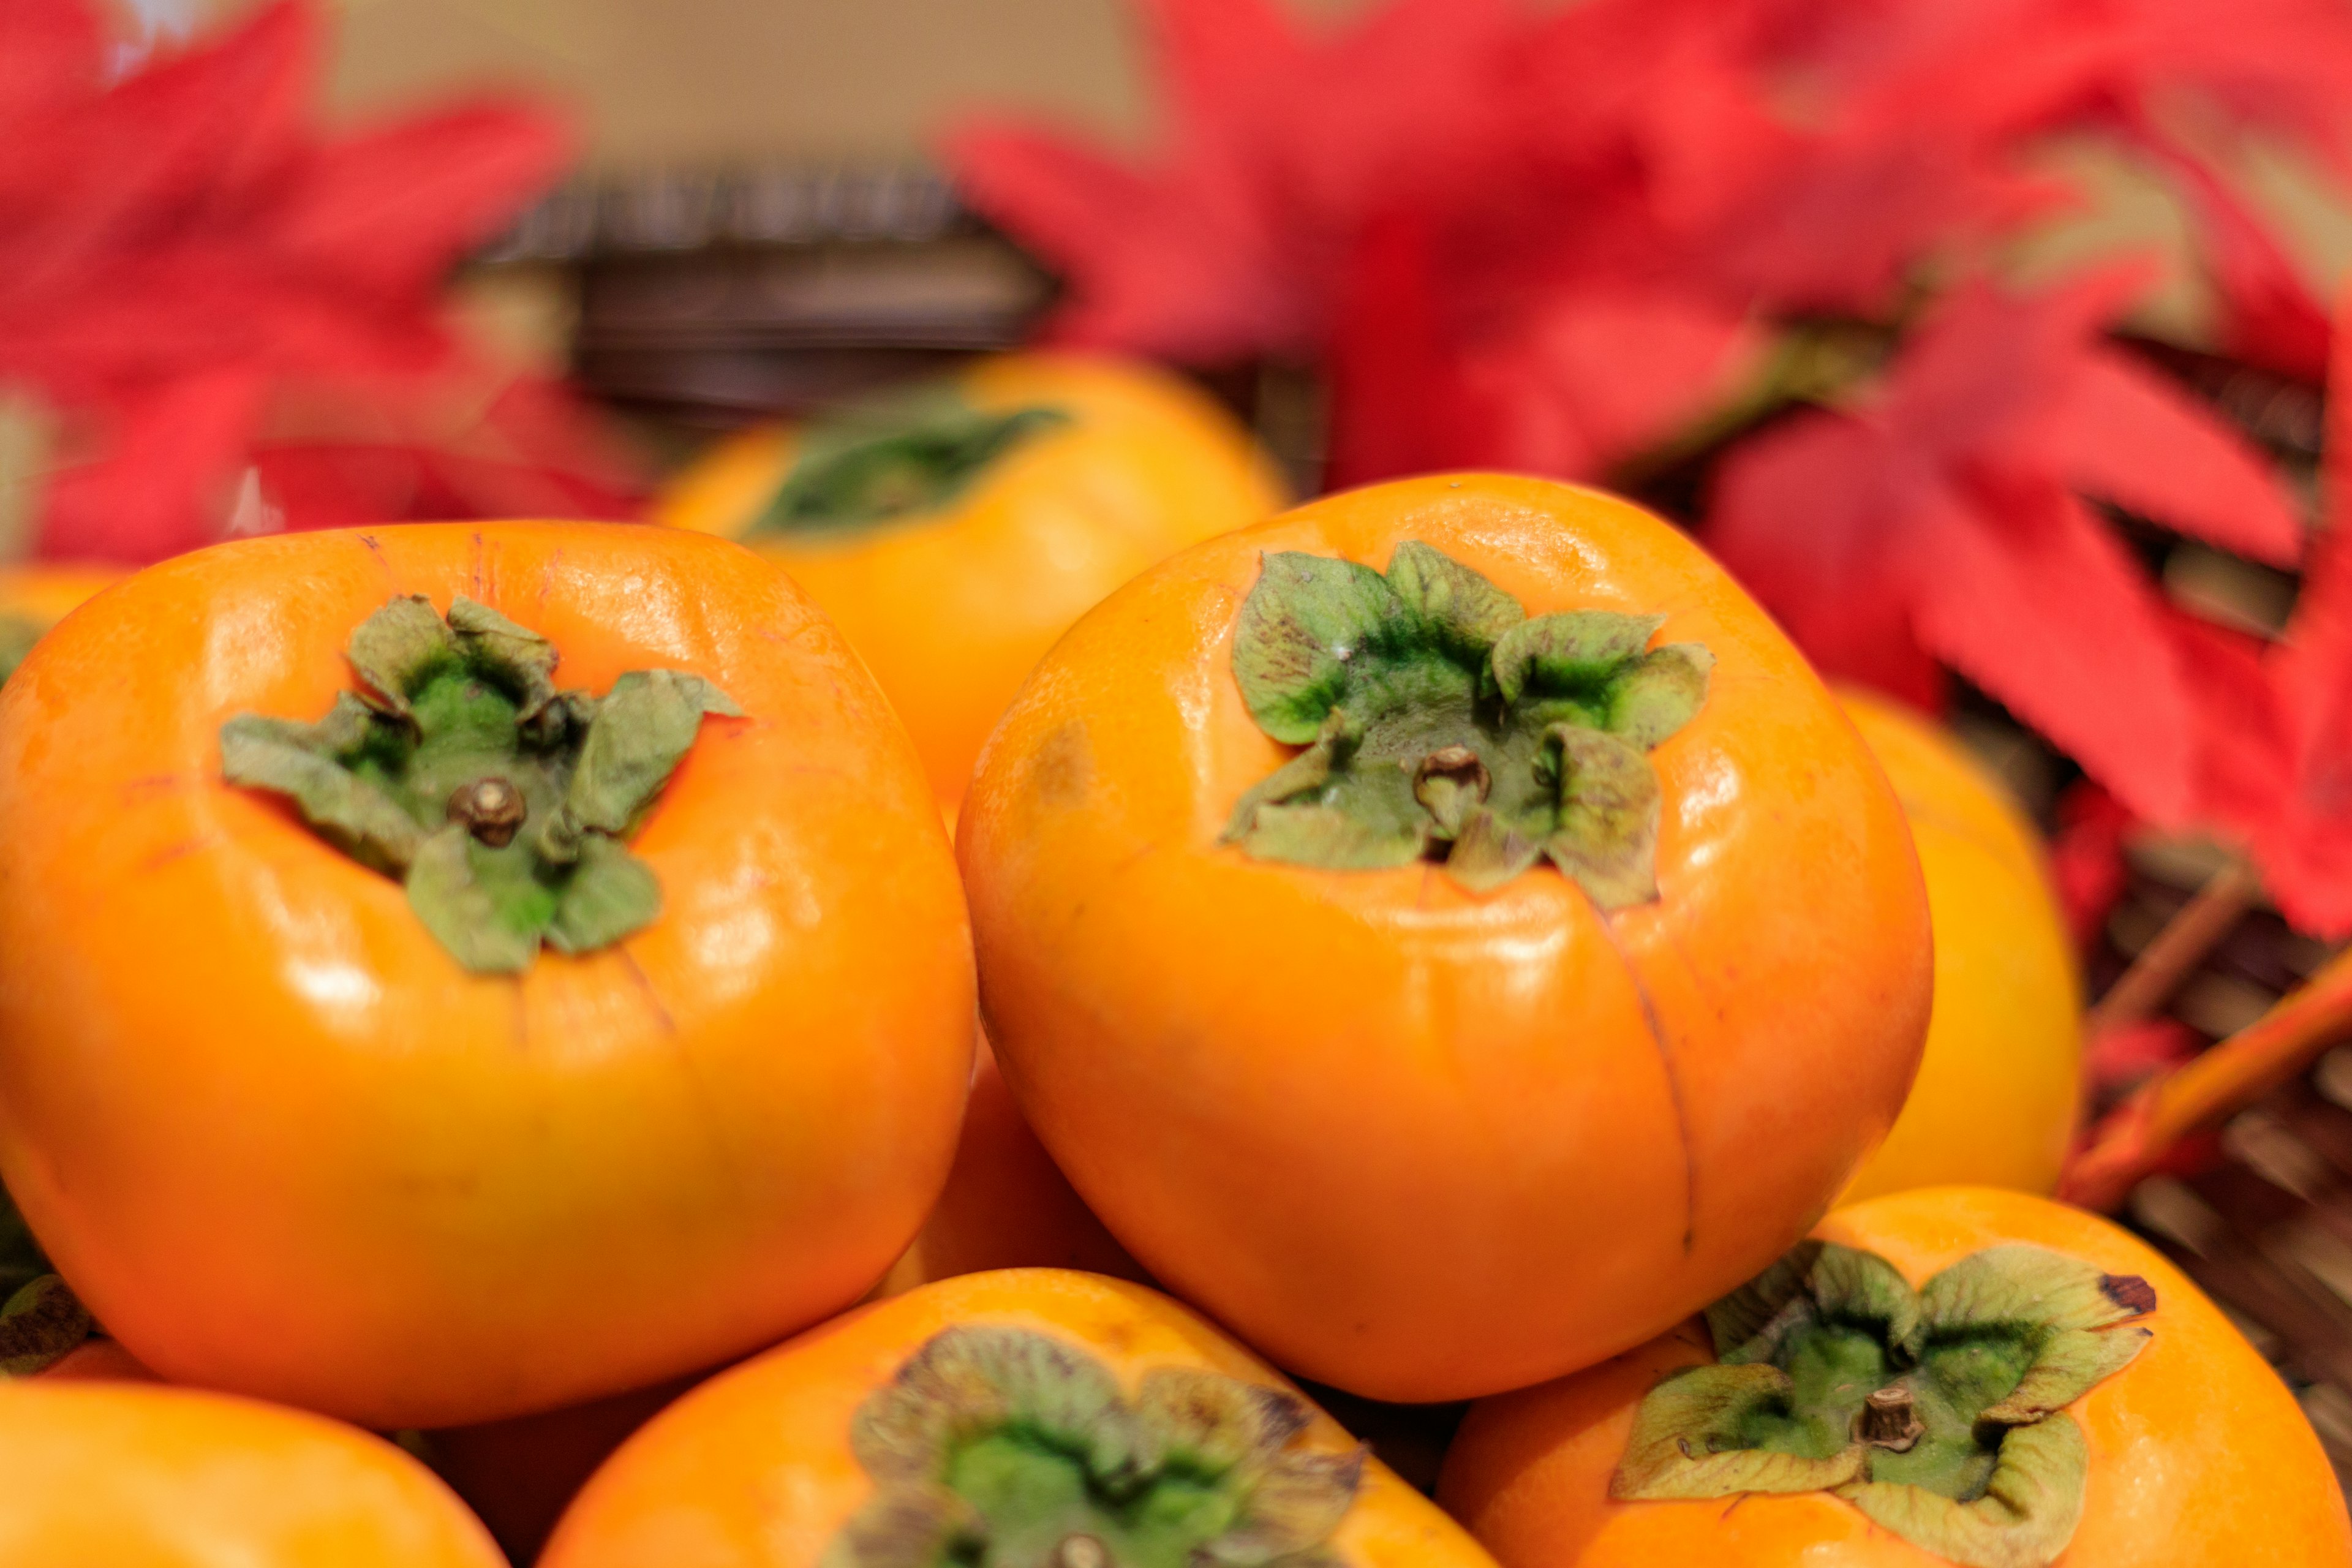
{"points": [[1415, 1144], [1006, 1204], [43, 592], [281, 1144], [952, 610], [753, 1469], [2001, 1085], [136, 1477], [2198, 1454]]}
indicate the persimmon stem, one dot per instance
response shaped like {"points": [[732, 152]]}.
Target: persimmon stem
{"points": [[2133, 1139], [2175, 952]]}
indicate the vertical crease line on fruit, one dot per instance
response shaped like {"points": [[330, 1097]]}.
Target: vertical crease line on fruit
{"points": [[1673, 1075], [475, 594], [644, 983]]}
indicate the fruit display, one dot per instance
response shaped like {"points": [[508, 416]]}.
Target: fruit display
{"points": [[1446, 931], [955, 529], [1999, 1088], [1949, 1376], [398, 1033]]}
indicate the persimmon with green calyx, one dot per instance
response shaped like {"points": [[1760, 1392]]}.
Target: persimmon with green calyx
{"points": [[2001, 1085], [1421, 1135], [129, 1475], [283, 1141], [955, 529], [1025, 1418], [500, 800], [1953, 1375]]}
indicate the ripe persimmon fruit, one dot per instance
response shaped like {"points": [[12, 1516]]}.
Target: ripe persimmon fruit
{"points": [[953, 530], [130, 1475], [2001, 1083], [1447, 931], [1027, 1415], [1949, 1375], [397, 1032]]}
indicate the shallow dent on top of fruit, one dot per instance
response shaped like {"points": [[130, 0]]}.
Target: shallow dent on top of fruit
{"points": [[1439, 721]]}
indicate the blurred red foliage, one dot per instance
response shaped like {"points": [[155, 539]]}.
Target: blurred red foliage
{"points": [[1567, 239], [234, 318]]}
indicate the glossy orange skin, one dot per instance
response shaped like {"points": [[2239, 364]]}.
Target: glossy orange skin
{"points": [[952, 610], [753, 1469], [1006, 1204], [43, 592], [2001, 1082], [2199, 1454], [1414, 1144], [123, 1476], [282, 1144]]}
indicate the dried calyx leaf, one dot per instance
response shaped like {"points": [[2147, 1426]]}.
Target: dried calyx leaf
{"points": [[40, 1316], [501, 803], [1939, 1412], [1441, 722], [898, 457], [1002, 1448]]}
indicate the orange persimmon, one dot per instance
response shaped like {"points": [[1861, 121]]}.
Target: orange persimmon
{"points": [[954, 531], [329, 1127], [2180, 1448], [1028, 1415], [1005, 1204], [1999, 1085], [133, 1476], [1316, 1034]]}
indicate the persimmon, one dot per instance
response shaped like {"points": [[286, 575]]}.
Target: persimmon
{"points": [[2000, 1086], [134, 1475], [1028, 1415], [1005, 1204], [955, 530], [1418, 968], [405, 1036], [1949, 1375]]}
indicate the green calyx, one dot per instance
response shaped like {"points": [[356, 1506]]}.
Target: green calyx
{"points": [[1939, 1412], [17, 636], [502, 804], [900, 457], [1001, 1447], [1441, 722], [40, 1316]]}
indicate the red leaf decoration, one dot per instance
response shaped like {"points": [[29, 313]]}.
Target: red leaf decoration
{"points": [[237, 317]]}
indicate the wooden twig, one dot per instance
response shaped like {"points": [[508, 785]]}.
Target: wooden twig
{"points": [[2132, 1140], [2175, 952]]}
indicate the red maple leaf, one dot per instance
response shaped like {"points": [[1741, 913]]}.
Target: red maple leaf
{"points": [[1940, 522], [212, 295]]}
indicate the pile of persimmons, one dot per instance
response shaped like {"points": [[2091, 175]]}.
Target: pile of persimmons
{"points": [[493, 1012]]}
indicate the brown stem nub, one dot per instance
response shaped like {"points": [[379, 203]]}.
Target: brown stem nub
{"points": [[491, 809], [1081, 1551], [1890, 1420], [1459, 764]]}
